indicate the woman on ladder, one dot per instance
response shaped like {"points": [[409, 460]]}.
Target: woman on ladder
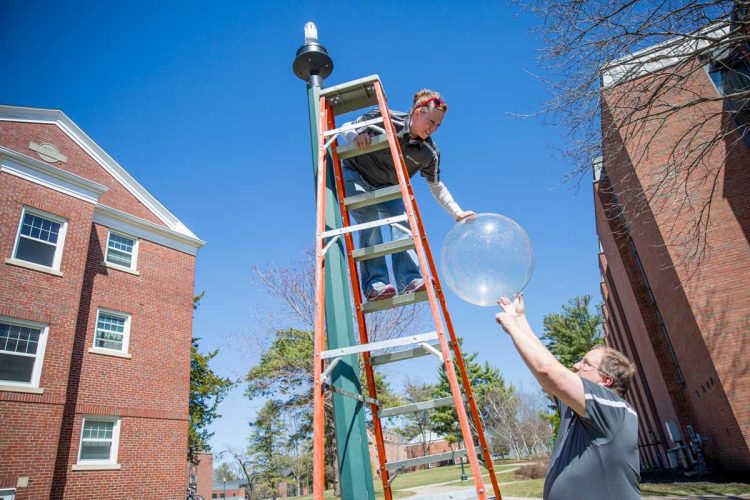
{"points": [[376, 170]]}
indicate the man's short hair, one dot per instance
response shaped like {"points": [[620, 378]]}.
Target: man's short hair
{"points": [[616, 365]]}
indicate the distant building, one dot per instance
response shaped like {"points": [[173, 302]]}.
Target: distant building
{"points": [[230, 490], [96, 294], [201, 474], [686, 328]]}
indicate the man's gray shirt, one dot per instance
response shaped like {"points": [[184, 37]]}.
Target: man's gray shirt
{"points": [[420, 155], [595, 456]]}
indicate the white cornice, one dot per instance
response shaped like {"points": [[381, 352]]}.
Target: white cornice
{"points": [[660, 56], [141, 228], [57, 117], [25, 167]]}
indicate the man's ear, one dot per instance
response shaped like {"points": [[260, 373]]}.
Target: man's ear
{"points": [[607, 381]]}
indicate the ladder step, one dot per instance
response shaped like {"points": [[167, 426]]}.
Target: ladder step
{"points": [[353, 126], [397, 301], [376, 346], [353, 95], [420, 406], [351, 150], [373, 197], [382, 249], [392, 357], [364, 225], [439, 457]]}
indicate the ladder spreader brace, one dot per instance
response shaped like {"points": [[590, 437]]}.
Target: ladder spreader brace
{"points": [[350, 96]]}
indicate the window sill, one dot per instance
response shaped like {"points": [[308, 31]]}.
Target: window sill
{"points": [[97, 466], [32, 266], [121, 268], [20, 388], [106, 352]]}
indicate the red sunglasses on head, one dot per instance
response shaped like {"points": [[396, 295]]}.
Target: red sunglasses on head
{"points": [[439, 103]]}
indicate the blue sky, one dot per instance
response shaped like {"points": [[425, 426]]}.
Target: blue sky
{"points": [[198, 102]]}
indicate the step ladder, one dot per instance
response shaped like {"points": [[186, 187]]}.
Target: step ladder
{"points": [[366, 93]]}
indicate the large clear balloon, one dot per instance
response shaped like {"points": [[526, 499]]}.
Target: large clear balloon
{"points": [[486, 257]]}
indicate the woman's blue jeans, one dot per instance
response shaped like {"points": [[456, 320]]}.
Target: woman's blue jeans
{"points": [[373, 271]]}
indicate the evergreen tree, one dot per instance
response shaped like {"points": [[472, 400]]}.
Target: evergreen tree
{"points": [[207, 389], [485, 380]]}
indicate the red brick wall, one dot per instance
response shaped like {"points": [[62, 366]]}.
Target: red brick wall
{"points": [[705, 310], [149, 391]]}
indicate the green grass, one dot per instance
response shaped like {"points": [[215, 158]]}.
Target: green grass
{"points": [[449, 474], [694, 488]]}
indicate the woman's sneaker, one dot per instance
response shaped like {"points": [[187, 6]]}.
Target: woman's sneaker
{"points": [[416, 285], [381, 291]]}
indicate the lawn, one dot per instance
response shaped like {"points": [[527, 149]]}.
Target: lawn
{"points": [[533, 488]]}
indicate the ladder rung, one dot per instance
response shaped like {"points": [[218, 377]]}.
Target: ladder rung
{"points": [[373, 197], [420, 406], [376, 346], [397, 301], [382, 249], [392, 357], [364, 225], [351, 150], [353, 95], [353, 126], [440, 457]]}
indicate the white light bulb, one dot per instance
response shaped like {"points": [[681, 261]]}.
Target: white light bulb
{"points": [[311, 32]]}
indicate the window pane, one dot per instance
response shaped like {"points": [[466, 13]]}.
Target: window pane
{"points": [[35, 251], [97, 429], [16, 368], [118, 257], [19, 338], [38, 227], [95, 450]]}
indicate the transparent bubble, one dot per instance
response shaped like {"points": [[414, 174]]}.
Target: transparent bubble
{"points": [[486, 257]]}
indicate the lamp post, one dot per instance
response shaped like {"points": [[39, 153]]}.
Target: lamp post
{"points": [[313, 64], [463, 472], [225, 488]]}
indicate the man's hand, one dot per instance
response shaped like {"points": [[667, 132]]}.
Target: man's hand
{"points": [[362, 140], [510, 316], [465, 215]]}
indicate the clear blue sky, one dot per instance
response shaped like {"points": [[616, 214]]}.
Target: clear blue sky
{"points": [[198, 102]]}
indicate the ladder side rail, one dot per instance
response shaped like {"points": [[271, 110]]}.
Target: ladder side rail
{"points": [[489, 465], [409, 203], [361, 323], [318, 397]]}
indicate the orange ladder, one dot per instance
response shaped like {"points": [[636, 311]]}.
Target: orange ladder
{"points": [[347, 97]]}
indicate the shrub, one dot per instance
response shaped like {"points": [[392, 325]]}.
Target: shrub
{"points": [[533, 470]]}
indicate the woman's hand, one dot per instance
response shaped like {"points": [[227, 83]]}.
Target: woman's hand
{"points": [[362, 140], [465, 215]]}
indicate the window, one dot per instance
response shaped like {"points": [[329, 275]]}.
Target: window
{"points": [[40, 239], [121, 250], [730, 73], [21, 352], [7, 494], [99, 440], [112, 330]]}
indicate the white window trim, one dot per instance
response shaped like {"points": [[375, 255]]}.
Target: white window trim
{"points": [[36, 374], [57, 259], [112, 461], [125, 335], [134, 255]]}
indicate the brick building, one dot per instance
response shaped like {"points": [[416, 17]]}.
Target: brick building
{"points": [[96, 289], [684, 321], [201, 474]]}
